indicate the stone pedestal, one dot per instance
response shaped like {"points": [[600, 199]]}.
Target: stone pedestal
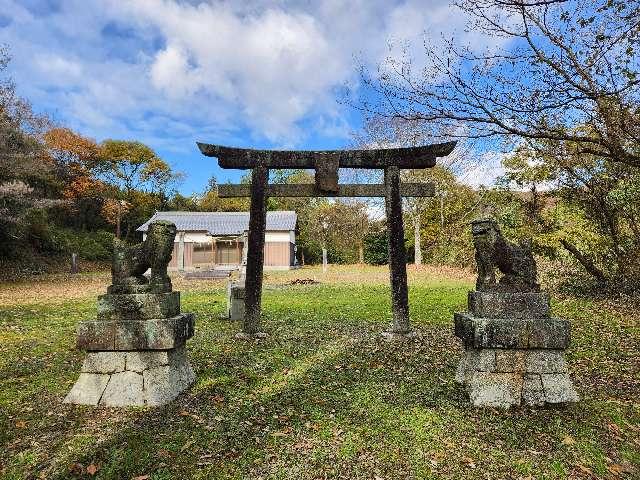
{"points": [[514, 351], [235, 300], [136, 352], [119, 379]]}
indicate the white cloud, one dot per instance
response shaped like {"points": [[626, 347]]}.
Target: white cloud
{"points": [[273, 67], [485, 172], [169, 71]]}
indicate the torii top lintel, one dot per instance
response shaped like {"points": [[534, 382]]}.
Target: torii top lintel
{"points": [[423, 156]]}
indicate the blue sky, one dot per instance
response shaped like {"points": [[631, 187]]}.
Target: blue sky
{"points": [[262, 74]]}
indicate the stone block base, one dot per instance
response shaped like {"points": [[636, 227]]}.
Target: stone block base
{"points": [[138, 306], [124, 335], [235, 300], [512, 333], [134, 378], [512, 377], [509, 305]]}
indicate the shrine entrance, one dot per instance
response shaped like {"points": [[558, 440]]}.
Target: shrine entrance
{"points": [[326, 164]]}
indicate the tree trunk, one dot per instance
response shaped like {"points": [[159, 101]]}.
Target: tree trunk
{"points": [[588, 265], [118, 222], [360, 252], [74, 263], [416, 241]]}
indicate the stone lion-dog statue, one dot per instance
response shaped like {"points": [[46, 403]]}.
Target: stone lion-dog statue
{"points": [[130, 262], [493, 251]]}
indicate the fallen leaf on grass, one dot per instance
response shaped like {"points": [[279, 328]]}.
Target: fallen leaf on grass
{"points": [[469, 461], [92, 469], [568, 440], [584, 469], [187, 445], [141, 477], [164, 453], [21, 424], [282, 433], [615, 468]]}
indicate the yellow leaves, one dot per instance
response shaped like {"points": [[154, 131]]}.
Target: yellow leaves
{"points": [[67, 146], [568, 440], [82, 186], [122, 151], [21, 424], [113, 209]]}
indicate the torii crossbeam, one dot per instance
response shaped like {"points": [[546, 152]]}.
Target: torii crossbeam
{"points": [[326, 164]]}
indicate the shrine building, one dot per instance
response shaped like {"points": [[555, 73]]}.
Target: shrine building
{"points": [[215, 240]]}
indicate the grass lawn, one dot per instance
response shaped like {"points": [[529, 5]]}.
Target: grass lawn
{"points": [[322, 397]]}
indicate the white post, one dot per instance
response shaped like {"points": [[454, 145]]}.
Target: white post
{"points": [[324, 258], [325, 226], [181, 251]]}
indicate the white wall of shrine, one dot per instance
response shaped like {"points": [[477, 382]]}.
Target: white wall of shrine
{"points": [[280, 237], [201, 237]]}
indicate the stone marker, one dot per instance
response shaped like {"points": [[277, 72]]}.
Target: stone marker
{"points": [[514, 351], [136, 346], [235, 300], [236, 287]]}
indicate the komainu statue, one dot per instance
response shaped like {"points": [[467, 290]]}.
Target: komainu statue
{"points": [[131, 261], [136, 345], [514, 350], [493, 251]]}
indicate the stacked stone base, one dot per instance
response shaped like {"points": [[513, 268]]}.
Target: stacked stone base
{"points": [[118, 379], [514, 351], [513, 377], [135, 351]]}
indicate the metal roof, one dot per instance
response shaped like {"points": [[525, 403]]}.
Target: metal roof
{"points": [[222, 223]]}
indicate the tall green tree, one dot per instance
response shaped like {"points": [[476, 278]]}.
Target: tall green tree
{"points": [[597, 219], [138, 176]]}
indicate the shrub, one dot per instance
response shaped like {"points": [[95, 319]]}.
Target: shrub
{"points": [[375, 248]]}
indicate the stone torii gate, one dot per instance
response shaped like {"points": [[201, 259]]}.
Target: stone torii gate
{"points": [[326, 164]]}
